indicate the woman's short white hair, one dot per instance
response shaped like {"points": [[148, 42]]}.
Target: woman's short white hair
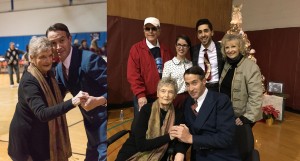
{"points": [[168, 81], [38, 45]]}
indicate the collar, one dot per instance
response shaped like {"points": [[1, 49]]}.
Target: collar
{"points": [[67, 62], [176, 61], [235, 60], [200, 100], [150, 46], [202, 97], [210, 48], [243, 58]]}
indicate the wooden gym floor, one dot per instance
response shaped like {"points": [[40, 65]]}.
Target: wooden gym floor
{"points": [[279, 142]]}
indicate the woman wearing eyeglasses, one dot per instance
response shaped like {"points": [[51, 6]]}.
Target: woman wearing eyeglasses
{"points": [[176, 67]]}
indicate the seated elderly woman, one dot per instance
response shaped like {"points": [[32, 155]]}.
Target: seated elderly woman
{"points": [[149, 139], [38, 130]]}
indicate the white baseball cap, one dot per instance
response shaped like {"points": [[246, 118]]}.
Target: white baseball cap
{"points": [[152, 20]]}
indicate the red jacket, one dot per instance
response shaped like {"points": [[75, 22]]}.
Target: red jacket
{"points": [[142, 73]]}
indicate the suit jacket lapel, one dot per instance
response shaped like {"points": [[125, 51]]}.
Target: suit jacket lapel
{"points": [[75, 64], [61, 74], [219, 58], [205, 111], [196, 50]]}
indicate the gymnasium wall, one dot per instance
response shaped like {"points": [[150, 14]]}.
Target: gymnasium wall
{"points": [[177, 12], [82, 20], [273, 27]]}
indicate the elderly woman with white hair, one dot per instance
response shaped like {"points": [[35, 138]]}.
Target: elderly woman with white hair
{"points": [[38, 130], [149, 138]]}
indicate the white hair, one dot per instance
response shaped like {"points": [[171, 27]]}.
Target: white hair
{"points": [[38, 45]]}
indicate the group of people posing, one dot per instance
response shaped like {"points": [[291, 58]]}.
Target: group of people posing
{"points": [[183, 103]]}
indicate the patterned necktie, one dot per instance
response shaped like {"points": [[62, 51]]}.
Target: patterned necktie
{"points": [[194, 106], [65, 72], [206, 64]]}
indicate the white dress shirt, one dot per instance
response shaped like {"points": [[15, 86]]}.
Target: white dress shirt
{"points": [[175, 69], [201, 99], [213, 59], [150, 46], [67, 62]]}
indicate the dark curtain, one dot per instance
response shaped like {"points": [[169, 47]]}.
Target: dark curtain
{"points": [[122, 34], [277, 52]]}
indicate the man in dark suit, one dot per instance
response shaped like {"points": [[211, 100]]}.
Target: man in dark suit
{"points": [[83, 71], [210, 122], [212, 64]]}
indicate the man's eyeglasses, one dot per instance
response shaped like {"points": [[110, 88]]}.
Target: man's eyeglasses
{"points": [[185, 46], [151, 28]]}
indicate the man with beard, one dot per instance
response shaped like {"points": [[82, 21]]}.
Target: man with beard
{"points": [[208, 54]]}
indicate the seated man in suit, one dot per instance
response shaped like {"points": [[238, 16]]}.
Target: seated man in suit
{"points": [[210, 122]]}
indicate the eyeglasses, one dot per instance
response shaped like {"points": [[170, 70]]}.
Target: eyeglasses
{"points": [[151, 28], [185, 46]]}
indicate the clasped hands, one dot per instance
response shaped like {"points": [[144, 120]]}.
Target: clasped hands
{"points": [[88, 102], [182, 133]]}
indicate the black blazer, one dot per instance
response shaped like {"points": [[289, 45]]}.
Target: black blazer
{"points": [[195, 56], [29, 131]]}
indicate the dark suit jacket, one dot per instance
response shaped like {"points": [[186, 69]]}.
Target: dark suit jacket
{"points": [[195, 56], [213, 128], [87, 72]]}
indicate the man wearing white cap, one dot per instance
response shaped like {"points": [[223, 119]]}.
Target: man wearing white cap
{"points": [[145, 64]]}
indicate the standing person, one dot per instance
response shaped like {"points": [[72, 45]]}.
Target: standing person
{"points": [[12, 59], [241, 81], [209, 121], [104, 49], [76, 43], [84, 45], [150, 138], [25, 58], [208, 54], [38, 130], [176, 67], [145, 64], [86, 71], [94, 47]]}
